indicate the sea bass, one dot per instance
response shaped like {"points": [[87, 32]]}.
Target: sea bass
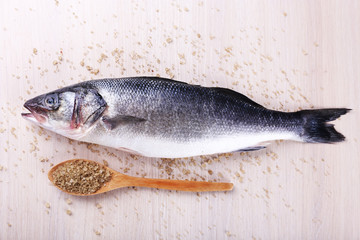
{"points": [[159, 117]]}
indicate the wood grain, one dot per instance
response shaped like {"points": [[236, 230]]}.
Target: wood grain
{"points": [[286, 55]]}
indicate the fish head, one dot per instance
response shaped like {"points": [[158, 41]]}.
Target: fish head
{"points": [[70, 112]]}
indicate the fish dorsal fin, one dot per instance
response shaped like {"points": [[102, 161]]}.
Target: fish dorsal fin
{"points": [[165, 80], [237, 95], [113, 122], [224, 91]]}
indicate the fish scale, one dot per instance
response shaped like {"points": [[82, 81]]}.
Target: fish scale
{"points": [[226, 113]]}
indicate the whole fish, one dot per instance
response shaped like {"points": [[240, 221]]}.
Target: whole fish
{"points": [[159, 117]]}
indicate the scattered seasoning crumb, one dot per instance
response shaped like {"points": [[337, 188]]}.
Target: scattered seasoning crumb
{"points": [[186, 171], [35, 51], [13, 132], [98, 205], [68, 212], [47, 205], [102, 57], [92, 70], [97, 233], [229, 50], [168, 170], [82, 63], [9, 224], [182, 58], [95, 71], [169, 40], [106, 163], [68, 201], [169, 73], [82, 177], [44, 159]]}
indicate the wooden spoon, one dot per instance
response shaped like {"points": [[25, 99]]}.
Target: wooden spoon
{"points": [[119, 180]]}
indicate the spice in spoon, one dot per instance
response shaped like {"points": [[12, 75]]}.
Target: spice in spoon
{"points": [[81, 177]]}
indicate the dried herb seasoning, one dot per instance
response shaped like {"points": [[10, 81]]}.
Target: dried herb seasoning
{"points": [[81, 177]]}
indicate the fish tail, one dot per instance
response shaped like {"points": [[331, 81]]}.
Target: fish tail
{"points": [[316, 128]]}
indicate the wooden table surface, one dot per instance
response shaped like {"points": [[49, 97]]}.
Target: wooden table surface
{"points": [[286, 55]]}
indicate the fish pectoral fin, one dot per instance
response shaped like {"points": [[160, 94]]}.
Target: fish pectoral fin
{"points": [[252, 148], [114, 122], [95, 116]]}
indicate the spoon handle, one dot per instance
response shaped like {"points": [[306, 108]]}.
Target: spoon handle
{"points": [[180, 185]]}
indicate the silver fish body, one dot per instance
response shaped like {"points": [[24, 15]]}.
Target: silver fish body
{"points": [[158, 117]]}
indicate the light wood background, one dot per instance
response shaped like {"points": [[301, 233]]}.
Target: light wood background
{"points": [[285, 55]]}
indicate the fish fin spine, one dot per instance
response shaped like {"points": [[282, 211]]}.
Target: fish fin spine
{"points": [[250, 149]]}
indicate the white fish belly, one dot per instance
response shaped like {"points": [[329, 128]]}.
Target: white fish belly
{"points": [[156, 147]]}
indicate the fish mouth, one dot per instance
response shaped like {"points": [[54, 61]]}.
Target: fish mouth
{"points": [[35, 114]]}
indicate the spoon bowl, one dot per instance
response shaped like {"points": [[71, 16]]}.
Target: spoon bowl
{"points": [[119, 180]]}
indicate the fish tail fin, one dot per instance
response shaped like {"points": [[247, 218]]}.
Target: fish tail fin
{"points": [[316, 128]]}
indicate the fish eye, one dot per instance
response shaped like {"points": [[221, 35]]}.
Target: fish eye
{"points": [[51, 100]]}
